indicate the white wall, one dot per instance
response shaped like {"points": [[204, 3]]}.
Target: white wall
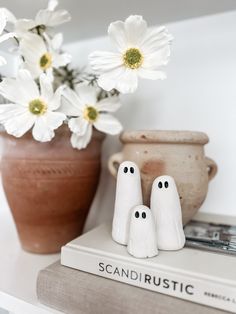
{"points": [[199, 94]]}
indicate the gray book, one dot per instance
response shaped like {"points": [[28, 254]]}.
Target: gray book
{"points": [[76, 292]]}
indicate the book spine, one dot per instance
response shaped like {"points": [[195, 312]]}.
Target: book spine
{"points": [[191, 288]]}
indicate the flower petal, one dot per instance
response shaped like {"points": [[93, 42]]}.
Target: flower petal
{"points": [[157, 59], [155, 39], [116, 32], [123, 79], [45, 125], [78, 125], [22, 26], [108, 80], [102, 61], [27, 84], [32, 48], [56, 101], [71, 103], [135, 28], [46, 87], [108, 124], [16, 119], [69, 108], [49, 73], [110, 104], [9, 90], [60, 60], [151, 74], [6, 37], [20, 90], [87, 94], [7, 111], [3, 20], [127, 82], [9, 15], [56, 41], [52, 18], [52, 4], [54, 119], [33, 69], [2, 61], [41, 132], [81, 142]]}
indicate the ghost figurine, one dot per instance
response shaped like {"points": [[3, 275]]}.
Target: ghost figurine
{"points": [[166, 209], [128, 195], [142, 236]]}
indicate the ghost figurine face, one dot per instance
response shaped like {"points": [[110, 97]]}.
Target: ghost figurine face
{"points": [[128, 195], [142, 236], [166, 209]]}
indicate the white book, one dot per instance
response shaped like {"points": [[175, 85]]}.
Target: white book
{"points": [[198, 276]]}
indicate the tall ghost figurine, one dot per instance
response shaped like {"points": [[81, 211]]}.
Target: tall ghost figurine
{"points": [[128, 195], [166, 208], [142, 236]]}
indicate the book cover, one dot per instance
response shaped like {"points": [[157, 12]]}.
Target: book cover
{"points": [[193, 275], [76, 292]]}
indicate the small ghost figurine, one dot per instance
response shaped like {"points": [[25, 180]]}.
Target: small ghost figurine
{"points": [[142, 236], [166, 209], [128, 195]]}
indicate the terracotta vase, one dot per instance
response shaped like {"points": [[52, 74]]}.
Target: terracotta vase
{"points": [[179, 154], [49, 187]]}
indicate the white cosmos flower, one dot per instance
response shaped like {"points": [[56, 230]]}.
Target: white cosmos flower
{"points": [[38, 58], [48, 17], [87, 113], [30, 107], [142, 52], [5, 16]]}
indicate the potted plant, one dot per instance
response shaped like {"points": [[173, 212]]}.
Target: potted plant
{"points": [[55, 118]]}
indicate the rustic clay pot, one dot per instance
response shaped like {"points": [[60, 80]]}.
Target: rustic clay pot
{"points": [[179, 154], [49, 187]]}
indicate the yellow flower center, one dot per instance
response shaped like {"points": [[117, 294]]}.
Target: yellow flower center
{"points": [[45, 61], [91, 114], [133, 58], [37, 107]]}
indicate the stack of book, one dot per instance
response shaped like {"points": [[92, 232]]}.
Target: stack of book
{"points": [[96, 275]]}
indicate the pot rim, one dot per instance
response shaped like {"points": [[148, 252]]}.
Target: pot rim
{"points": [[58, 132], [164, 136]]}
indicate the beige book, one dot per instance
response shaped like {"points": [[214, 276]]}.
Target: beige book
{"points": [[76, 292]]}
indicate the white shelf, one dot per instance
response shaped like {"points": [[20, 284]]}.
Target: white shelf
{"points": [[19, 269]]}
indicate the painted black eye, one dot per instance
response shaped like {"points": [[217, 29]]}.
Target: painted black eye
{"points": [[131, 169], [166, 184], [144, 215], [160, 185], [137, 214], [125, 169]]}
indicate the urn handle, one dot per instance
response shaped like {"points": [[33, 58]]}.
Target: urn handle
{"points": [[114, 163], [212, 168]]}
